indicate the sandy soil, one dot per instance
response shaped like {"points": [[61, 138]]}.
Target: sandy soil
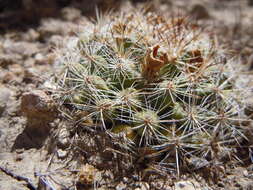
{"points": [[34, 140]]}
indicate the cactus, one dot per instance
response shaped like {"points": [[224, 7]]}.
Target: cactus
{"points": [[158, 81]]}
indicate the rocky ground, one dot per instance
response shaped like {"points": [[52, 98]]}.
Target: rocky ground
{"points": [[34, 140]]}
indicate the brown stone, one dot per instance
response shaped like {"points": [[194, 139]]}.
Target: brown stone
{"points": [[199, 12], [38, 105]]}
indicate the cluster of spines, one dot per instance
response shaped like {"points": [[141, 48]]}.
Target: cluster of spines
{"points": [[156, 81]]}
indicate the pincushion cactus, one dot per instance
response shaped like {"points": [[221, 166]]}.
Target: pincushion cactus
{"points": [[162, 83]]}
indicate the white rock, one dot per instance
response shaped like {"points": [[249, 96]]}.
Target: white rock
{"points": [[61, 153], [185, 185]]}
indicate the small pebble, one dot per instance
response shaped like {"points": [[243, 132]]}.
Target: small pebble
{"points": [[62, 154]]}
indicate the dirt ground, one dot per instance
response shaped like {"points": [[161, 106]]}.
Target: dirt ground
{"points": [[34, 139]]}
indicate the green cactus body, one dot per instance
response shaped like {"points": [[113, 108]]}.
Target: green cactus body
{"points": [[126, 129], [129, 98], [178, 112], [95, 82], [147, 125], [146, 76]]}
